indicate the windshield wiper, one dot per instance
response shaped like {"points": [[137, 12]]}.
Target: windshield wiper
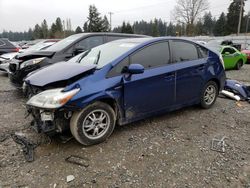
{"points": [[98, 57], [85, 54]]}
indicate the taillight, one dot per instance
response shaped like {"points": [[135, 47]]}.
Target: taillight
{"points": [[17, 49]]}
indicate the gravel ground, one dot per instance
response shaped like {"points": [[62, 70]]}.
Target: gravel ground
{"points": [[172, 150]]}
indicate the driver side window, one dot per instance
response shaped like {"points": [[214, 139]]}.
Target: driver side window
{"points": [[117, 69]]}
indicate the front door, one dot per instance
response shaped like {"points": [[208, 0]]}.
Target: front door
{"points": [[154, 89]]}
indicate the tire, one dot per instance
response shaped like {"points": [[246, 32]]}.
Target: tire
{"points": [[238, 65], [85, 123], [207, 100]]}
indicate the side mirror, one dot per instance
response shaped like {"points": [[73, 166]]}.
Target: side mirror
{"points": [[134, 69], [79, 50]]}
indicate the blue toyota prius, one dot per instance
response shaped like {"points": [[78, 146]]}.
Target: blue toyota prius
{"points": [[121, 82]]}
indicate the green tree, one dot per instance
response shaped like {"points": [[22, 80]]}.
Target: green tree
{"points": [[53, 30], [208, 24], [94, 22], [105, 24], [78, 30], [199, 27], [44, 29], [233, 16], [155, 28], [37, 32], [220, 25], [126, 28]]}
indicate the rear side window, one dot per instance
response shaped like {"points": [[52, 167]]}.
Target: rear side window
{"points": [[112, 38], [229, 50], [152, 56], [90, 42], [184, 51]]}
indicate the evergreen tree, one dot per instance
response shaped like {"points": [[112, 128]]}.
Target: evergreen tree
{"points": [[155, 28], [105, 23], [59, 25], [220, 25], [208, 24], [44, 29], [233, 16], [85, 27], [37, 32], [53, 30], [126, 28], [199, 28], [78, 30], [95, 22], [171, 29]]}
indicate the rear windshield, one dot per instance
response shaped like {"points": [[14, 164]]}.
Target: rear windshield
{"points": [[63, 43]]}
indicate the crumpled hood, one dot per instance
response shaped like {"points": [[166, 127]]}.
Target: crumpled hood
{"points": [[61, 71], [34, 54]]}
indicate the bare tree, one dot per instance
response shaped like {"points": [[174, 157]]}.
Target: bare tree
{"points": [[188, 11]]}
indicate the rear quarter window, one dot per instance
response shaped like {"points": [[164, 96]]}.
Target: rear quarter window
{"points": [[203, 52], [184, 51]]}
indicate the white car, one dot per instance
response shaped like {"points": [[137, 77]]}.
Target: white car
{"points": [[6, 58]]}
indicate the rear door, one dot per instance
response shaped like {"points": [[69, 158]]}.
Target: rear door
{"points": [[190, 67], [152, 90]]}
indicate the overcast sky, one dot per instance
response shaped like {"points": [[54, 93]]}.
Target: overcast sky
{"points": [[19, 15]]}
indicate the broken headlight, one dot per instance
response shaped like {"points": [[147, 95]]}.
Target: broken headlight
{"points": [[31, 62], [52, 98]]}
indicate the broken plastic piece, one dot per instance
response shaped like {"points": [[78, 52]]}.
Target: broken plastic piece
{"points": [[82, 161], [230, 95], [218, 144], [27, 146]]}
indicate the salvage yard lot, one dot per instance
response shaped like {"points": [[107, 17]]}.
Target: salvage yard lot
{"points": [[172, 150]]}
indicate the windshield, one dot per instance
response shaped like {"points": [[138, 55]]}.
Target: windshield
{"points": [[106, 53], [40, 46], [64, 43]]}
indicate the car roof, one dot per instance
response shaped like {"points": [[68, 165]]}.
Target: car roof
{"points": [[149, 40]]}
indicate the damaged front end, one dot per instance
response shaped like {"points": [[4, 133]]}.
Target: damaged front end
{"points": [[50, 122], [47, 109]]}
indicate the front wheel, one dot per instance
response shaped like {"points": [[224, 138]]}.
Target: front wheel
{"points": [[94, 124], [209, 95]]}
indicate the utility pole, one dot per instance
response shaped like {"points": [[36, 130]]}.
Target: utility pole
{"points": [[241, 9], [110, 20]]}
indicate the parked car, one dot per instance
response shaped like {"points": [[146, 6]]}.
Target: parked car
{"points": [[67, 48], [6, 58], [6, 46], [121, 82], [233, 58], [247, 52]]}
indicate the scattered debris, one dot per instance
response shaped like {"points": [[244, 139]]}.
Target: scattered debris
{"points": [[27, 146], [65, 138], [70, 178], [218, 144], [82, 161], [230, 95], [3, 137]]}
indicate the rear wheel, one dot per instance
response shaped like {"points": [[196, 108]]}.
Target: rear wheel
{"points": [[209, 94], [94, 124], [238, 65]]}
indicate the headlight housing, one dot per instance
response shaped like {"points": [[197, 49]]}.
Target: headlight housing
{"points": [[31, 62], [52, 98]]}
